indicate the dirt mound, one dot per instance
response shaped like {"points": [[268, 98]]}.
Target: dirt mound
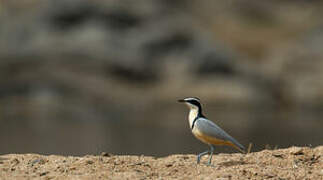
{"points": [[291, 163]]}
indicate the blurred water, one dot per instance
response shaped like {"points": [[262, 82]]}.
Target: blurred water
{"points": [[162, 130]]}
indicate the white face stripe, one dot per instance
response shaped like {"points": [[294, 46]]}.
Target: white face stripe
{"points": [[192, 98]]}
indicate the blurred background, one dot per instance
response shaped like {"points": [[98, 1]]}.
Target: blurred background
{"points": [[86, 76]]}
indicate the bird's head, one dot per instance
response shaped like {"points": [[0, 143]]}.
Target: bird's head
{"points": [[191, 102]]}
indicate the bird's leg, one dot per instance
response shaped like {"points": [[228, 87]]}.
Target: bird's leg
{"points": [[211, 153], [200, 155]]}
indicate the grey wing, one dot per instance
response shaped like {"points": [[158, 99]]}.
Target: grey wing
{"points": [[211, 129]]}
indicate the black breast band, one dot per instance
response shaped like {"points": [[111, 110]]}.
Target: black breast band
{"points": [[194, 122]]}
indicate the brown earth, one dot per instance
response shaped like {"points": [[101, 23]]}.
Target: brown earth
{"points": [[291, 163]]}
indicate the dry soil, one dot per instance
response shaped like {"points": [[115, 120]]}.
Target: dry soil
{"points": [[291, 163]]}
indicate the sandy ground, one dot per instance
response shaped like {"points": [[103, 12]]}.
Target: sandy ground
{"points": [[291, 163]]}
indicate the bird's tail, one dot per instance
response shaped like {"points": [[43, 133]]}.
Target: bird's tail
{"points": [[239, 147]]}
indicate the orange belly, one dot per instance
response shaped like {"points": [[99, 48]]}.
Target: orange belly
{"points": [[212, 140]]}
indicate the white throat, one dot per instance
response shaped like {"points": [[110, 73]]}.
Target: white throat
{"points": [[192, 115]]}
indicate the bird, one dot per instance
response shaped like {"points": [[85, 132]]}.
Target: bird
{"points": [[206, 130]]}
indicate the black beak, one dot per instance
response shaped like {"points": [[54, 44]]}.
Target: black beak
{"points": [[181, 100]]}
